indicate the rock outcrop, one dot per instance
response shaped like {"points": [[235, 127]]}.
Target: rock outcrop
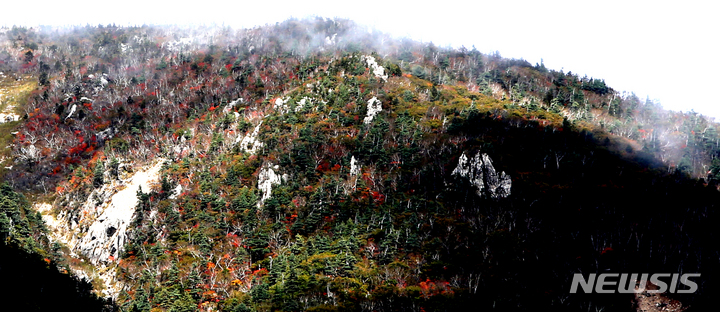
{"points": [[482, 175], [99, 230], [374, 106], [250, 143], [266, 179], [376, 69], [107, 235]]}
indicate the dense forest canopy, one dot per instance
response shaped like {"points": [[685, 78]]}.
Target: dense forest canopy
{"points": [[313, 165]]}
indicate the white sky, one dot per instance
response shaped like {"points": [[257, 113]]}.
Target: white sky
{"points": [[662, 49]]}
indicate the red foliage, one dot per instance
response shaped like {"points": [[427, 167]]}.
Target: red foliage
{"points": [[430, 288], [260, 272], [379, 198], [323, 166], [79, 148]]}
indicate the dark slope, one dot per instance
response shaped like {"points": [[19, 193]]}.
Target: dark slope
{"points": [[601, 210], [29, 279], [29, 283]]}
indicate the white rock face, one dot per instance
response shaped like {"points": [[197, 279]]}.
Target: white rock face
{"points": [[107, 235], [377, 70], [100, 229], [52, 223], [374, 106], [355, 171], [481, 173], [266, 179], [250, 143], [354, 168], [281, 105]]}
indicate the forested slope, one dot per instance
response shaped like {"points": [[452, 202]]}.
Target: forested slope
{"points": [[313, 165]]}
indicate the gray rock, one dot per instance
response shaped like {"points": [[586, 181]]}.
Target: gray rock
{"points": [[482, 175]]}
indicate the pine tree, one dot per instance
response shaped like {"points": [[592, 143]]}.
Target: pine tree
{"points": [[98, 175]]}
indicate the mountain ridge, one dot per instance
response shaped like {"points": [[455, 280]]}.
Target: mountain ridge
{"points": [[305, 170]]}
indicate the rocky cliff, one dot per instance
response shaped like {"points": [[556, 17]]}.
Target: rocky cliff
{"points": [[99, 230], [482, 175]]}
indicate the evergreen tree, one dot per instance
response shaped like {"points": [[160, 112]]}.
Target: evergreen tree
{"points": [[98, 175]]}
